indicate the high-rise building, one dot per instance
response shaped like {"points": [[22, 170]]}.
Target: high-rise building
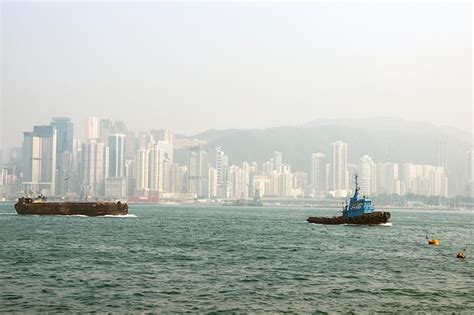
{"points": [[470, 172], [222, 168], [167, 149], [442, 154], [367, 176], [39, 160], [155, 165], [277, 161], [286, 184], [105, 129], [339, 169], [116, 154], [64, 134], [119, 127], [300, 183], [388, 179], [212, 182], [198, 171], [177, 178], [425, 180], [116, 183], [92, 128], [318, 172], [93, 168], [130, 145], [64, 155], [141, 170]]}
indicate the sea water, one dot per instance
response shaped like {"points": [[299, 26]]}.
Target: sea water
{"points": [[227, 259]]}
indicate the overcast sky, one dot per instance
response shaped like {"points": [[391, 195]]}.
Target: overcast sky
{"points": [[197, 66]]}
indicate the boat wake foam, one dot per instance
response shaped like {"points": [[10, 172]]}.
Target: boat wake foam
{"points": [[119, 216]]}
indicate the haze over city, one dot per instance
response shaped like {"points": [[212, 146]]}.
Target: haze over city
{"points": [[236, 157], [197, 66]]}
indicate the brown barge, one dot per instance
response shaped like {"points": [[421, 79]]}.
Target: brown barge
{"points": [[40, 206], [379, 217]]}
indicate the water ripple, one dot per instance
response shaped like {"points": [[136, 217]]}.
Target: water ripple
{"points": [[231, 260]]}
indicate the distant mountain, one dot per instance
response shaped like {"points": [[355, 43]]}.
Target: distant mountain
{"points": [[384, 139]]}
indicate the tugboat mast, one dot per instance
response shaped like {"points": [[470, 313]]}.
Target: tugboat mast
{"points": [[356, 192]]}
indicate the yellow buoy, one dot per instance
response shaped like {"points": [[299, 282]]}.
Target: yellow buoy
{"points": [[433, 242]]}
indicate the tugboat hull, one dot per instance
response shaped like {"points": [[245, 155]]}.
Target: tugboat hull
{"points": [[373, 218], [72, 208]]}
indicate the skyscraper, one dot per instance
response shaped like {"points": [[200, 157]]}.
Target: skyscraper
{"points": [[141, 169], [277, 161], [93, 168], [318, 172], [388, 178], [198, 171], [105, 129], [367, 176], [470, 172], [64, 155], [92, 128], [442, 154], [64, 134], [339, 169], [39, 160], [155, 165], [116, 164]]}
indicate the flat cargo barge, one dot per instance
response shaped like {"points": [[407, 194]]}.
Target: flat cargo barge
{"points": [[40, 207]]}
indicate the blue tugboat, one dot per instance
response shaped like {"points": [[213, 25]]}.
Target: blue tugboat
{"points": [[358, 210]]}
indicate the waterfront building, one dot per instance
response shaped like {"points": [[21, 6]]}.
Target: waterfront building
{"points": [[39, 160], [425, 180], [116, 187], [277, 161], [198, 171], [261, 183], [470, 172], [367, 176], [319, 172], [141, 169], [388, 179], [155, 165], [286, 184], [340, 178], [212, 182], [64, 134], [116, 155], [93, 168]]}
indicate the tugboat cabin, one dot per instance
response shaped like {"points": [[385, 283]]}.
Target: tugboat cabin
{"points": [[357, 206]]}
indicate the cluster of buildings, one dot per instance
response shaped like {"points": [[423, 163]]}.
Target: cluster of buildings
{"points": [[115, 163]]}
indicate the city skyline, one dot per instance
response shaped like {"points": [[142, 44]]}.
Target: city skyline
{"points": [[193, 67], [116, 162]]}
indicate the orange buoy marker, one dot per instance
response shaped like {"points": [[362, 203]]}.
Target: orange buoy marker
{"points": [[432, 241]]}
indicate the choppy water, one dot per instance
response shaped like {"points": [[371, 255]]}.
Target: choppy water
{"points": [[185, 259]]}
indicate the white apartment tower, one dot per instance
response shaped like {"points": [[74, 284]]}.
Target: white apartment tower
{"points": [[367, 176], [339, 169]]}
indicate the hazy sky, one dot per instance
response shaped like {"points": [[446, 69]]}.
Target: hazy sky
{"points": [[196, 66]]}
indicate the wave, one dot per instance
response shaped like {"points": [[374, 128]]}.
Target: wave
{"points": [[9, 213]]}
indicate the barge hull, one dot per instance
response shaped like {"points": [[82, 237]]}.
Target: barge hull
{"points": [[72, 208], [366, 219]]}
